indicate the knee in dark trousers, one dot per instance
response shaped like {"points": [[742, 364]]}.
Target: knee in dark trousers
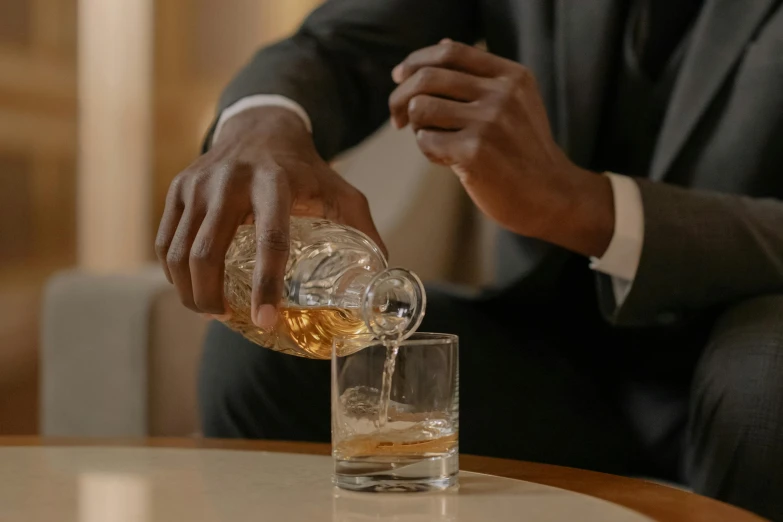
{"points": [[246, 391], [735, 438]]}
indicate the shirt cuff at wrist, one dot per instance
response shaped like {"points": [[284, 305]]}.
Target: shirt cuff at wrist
{"points": [[621, 259], [261, 100]]}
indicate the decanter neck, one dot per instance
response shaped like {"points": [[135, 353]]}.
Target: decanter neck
{"points": [[393, 303]]}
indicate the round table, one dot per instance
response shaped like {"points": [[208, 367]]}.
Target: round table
{"points": [[162, 480]]}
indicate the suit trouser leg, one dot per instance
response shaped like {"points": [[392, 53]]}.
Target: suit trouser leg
{"points": [[734, 448], [520, 397]]}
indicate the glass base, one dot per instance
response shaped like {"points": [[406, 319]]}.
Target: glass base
{"points": [[397, 474]]}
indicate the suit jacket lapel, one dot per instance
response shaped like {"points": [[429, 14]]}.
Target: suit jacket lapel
{"points": [[585, 32], [723, 29]]}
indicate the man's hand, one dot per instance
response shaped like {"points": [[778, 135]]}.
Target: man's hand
{"points": [[263, 168], [482, 115]]}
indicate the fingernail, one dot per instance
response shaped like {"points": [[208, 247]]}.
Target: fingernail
{"points": [[266, 316], [397, 74], [446, 40]]}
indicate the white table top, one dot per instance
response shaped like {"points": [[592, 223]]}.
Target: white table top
{"points": [[96, 484]]}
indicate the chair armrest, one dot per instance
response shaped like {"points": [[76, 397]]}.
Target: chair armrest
{"points": [[119, 356]]}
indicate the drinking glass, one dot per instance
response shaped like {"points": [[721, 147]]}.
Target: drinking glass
{"points": [[413, 445]]}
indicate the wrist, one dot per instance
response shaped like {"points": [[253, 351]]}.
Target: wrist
{"points": [[585, 221], [267, 124]]}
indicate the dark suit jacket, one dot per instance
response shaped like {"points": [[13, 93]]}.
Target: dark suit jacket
{"points": [[716, 241]]}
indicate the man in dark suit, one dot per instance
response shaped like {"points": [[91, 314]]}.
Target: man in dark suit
{"points": [[664, 356]]}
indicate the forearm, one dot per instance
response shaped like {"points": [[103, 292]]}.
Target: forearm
{"points": [[584, 217]]}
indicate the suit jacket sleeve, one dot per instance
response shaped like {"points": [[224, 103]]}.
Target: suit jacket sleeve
{"points": [[338, 64], [701, 250]]}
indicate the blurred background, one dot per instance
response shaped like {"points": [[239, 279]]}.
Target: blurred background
{"points": [[102, 103]]}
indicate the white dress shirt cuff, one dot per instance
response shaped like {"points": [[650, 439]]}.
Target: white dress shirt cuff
{"points": [[621, 259], [261, 100]]}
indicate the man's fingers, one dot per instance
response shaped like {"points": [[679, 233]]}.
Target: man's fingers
{"points": [[271, 208], [455, 56], [178, 257], [433, 81], [429, 112], [168, 227], [207, 260], [443, 147]]}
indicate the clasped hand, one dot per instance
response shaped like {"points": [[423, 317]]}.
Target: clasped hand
{"points": [[483, 116]]}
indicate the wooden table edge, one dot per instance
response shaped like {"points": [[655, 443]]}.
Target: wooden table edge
{"points": [[656, 501]]}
